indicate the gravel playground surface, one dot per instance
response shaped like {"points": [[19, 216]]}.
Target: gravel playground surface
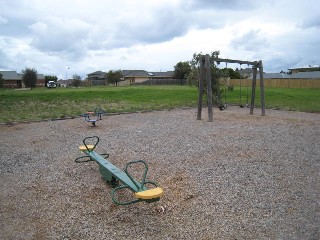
{"points": [[241, 176]]}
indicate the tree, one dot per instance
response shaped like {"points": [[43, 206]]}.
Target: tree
{"points": [[76, 80], [29, 77], [181, 70], [1, 80], [114, 77], [216, 73], [48, 78]]}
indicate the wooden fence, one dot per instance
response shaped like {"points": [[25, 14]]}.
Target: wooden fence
{"points": [[276, 82]]}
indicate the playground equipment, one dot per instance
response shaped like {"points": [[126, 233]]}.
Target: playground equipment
{"points": [[205, 75], [94, 116], [113, 175]]}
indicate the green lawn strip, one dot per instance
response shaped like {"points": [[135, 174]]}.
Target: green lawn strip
{"points": [[46, 104], [304, 100]]}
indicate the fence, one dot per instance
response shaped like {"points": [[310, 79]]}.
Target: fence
{"points": [[162, 82], [277, 82]]}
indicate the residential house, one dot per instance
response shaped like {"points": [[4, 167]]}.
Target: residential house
{"points": [[304, 69], [12, 79], [139, 76], [64, 83], [128, 77], [283, 80], [96, 78], [134, 76]]}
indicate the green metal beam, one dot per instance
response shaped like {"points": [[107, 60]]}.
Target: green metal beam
{"points": [[115, 171]]}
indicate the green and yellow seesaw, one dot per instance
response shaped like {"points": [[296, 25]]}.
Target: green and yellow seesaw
{"points": [[113, 175]]}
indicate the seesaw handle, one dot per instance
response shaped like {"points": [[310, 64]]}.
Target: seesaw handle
{"points": [[141, 185], [85, 141], [115, 199]]}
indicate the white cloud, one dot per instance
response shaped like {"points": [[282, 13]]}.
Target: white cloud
{"points": [[3, 20], [153, 35]]}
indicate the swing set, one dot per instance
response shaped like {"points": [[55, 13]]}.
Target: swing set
{"points": [[240, 97], [205, 75]]}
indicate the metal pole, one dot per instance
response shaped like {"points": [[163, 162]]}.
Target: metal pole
{"points": [[254, 81], [209, 89], [263, 112], [201, 77]]}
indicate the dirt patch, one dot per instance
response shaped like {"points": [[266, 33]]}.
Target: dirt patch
{"points": [[241, 176]]}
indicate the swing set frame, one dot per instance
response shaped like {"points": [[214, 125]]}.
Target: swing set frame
{"points": [[205, 75]]}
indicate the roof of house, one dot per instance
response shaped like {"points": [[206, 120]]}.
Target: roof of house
{"points": [[143, 73], [135, 73], [163, 74], [13, 75], [315, 74], [309, 68], [96, 74], [10, 75]]}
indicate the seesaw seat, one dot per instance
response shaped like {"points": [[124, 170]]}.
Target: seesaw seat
{"points": [[83, 147], [150, 194]]}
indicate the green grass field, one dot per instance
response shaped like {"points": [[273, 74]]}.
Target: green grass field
{"points": [[45, 104]]}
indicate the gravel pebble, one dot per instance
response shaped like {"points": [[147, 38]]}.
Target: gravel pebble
{"points": [[241, 176]]}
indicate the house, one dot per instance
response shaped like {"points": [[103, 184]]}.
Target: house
{"points": [[300, 75], [162, 75], [283, 80], [12, 79], [304, 69], [128, 77], [133, 76], [96, 78], [139, 76], [64, 83]]}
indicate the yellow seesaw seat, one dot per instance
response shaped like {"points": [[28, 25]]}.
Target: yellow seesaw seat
{"points": [[83, 147], [150, 194]]}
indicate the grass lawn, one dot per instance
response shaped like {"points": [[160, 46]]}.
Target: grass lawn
{"points": [[44, 103]]}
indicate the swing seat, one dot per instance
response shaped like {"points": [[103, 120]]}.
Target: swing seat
{"points": [[83, 147], [150, 194]]}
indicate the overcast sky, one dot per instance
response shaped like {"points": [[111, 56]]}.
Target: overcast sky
{"points": [[66, 37]]}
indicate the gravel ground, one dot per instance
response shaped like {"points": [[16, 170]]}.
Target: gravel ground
{"points": [[241, 176]]}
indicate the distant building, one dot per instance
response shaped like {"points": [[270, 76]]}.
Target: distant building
{"points": [[128, 77], [303, 69], [138, 76], [12, 79], [133, 76], [298, 75], [96, 78], [64, 83]]}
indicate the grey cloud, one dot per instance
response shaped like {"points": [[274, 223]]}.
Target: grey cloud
{"points": [[250, 41], [277, 64], [310, 22], [149, 28], [222, 4], [3, 20], [59, 36], [4, 64], [160, 26]]}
